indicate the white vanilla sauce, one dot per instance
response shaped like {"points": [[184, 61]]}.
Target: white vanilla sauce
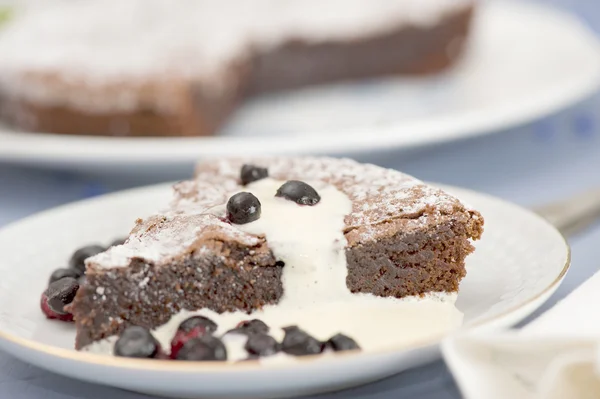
{"points": [[310, 240]]}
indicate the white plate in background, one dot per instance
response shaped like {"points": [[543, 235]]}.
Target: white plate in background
{"points": [[526, 61], [518, 264]]}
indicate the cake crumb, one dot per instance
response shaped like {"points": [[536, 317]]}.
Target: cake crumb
{"points": [[144, 282]]}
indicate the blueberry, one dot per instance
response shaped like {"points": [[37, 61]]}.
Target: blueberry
{"points": [[198, 321], [137, 342], [298, 343], [299, 192], [249, 327], [243, 208], [62, 273], [251, 173], [261, 345], [237, 330], [77, 261], [254, 326], [341, 342], [206, 347], [61, 293]]}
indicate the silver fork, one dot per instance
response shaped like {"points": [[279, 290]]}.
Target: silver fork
{"points": [[573, 215]]}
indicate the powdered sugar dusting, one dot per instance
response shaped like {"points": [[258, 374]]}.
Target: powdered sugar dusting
{"points": [[162, 238], [379, 196], [127, 43]]}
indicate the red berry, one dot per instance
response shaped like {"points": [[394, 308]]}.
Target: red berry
{"points": [[51, 314], [182, 336], [59, 294]]}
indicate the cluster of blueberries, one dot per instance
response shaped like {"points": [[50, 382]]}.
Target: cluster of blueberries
{"points": [[244, 207], [195, 340], [64, 282]]}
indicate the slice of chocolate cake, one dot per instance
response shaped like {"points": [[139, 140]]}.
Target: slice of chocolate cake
{"points": [[304, 231], [164, 68]]}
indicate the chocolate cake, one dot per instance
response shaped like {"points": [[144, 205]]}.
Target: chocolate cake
{"points": [[396, 237], [154, 68]]}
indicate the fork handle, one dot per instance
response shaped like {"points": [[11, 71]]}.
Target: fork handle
{"points": [[573, 215]]}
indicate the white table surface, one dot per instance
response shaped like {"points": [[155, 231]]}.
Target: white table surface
{"points": [[542, 162]]}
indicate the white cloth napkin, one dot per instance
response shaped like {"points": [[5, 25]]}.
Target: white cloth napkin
{"points": [[555, 357]]}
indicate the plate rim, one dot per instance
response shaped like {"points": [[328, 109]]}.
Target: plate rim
{"points": [[254, 365], [139, 150]]}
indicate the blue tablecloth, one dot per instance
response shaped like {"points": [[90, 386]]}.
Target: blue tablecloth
{"points": [[541, 162]]}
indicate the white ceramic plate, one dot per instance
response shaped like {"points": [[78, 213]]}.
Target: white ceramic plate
{"points": [[517, 265], [526, 61]]}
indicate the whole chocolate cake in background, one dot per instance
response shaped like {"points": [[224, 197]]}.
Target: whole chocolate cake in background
{"points": [[163, 68], [291, 233]]}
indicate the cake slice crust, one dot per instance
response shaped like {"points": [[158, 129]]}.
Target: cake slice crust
{"points": [[402, 238]]}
